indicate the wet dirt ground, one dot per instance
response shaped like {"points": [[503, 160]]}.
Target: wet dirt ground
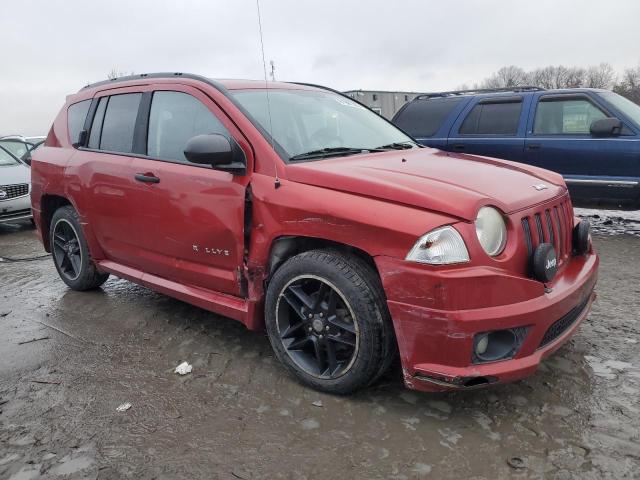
{"points": [[69, 359]]}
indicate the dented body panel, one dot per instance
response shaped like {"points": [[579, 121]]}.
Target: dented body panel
{"points": [[213, 239]]}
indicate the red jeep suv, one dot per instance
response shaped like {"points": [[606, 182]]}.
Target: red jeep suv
{"points": [[293, 208]]}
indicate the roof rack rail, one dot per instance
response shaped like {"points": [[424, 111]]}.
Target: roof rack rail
{"points": [[453, 93]]}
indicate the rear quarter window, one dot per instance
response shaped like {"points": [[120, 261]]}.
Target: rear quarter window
{"points": [[424, 117], [76, 115]]}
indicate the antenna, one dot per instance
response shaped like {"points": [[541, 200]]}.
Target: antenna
{"points": [[273, 70], [266, 86]]}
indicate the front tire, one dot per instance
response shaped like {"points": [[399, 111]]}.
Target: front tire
{"points": [[70, 252], [327, 321]]}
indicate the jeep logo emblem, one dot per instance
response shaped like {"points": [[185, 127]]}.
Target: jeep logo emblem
{"points": [[551, 263], [3, 194], [540, 186]]}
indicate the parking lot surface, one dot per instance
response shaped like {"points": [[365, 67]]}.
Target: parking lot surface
{"points": [[70, 359]]}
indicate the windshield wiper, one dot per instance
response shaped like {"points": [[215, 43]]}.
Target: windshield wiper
{"points": [[397, 146], [333, 152]]}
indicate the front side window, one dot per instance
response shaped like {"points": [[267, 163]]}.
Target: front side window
{"points": [[176, 117], [76, 115], [626, 106], [571, 116], [499, 118], [303, 121], [6, 160], [119, 123]]}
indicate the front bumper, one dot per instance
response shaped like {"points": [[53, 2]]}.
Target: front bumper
{"points": [[15, 209], [436, 314]]}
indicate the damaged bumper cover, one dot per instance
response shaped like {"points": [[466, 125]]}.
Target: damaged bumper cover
{"points": [[437, 313]]}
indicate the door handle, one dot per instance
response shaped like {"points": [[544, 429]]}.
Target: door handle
{"points": [[459, 146], [533, 146], [147, 178]]}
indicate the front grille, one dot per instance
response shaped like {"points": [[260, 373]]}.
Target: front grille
{"points": [[560, 326], [551, 224], [13, 191]]}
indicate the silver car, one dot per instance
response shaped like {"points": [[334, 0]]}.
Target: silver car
{"points": [[15, 187]]}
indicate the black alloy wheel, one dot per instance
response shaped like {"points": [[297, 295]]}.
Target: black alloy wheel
{"points": [[316, 326], [66, 249], [71, 255]]}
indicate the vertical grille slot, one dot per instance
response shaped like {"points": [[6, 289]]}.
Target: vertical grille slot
{"points": [[539, 228], [527, 236], [560, 232], [552, 238]]}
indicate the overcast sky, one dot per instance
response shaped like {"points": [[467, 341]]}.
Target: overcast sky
{"points": [[54, 47]]}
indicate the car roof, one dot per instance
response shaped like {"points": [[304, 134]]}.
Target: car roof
{"points": [[504, 92], [221, 84]]}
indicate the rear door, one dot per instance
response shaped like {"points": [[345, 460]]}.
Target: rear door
{"points": [[559, 139], [491, 126], [104, 169], [189, 219]]}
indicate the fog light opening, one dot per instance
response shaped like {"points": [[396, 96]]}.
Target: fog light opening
{"points": [[493, 346]]}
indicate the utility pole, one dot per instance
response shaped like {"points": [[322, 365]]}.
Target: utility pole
{"points": [[273, 70]]}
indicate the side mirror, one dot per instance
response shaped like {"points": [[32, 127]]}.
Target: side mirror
{"points": [[606, 127], [216, 150]]}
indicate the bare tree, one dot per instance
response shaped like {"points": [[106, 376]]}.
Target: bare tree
{"points": [[115, 73], [629, 85], [510, 76], [600, 76]]}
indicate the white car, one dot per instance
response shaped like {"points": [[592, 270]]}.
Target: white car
{"points": [[15, 187]]}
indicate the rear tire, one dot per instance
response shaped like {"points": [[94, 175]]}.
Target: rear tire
{"points": [[70, 252], [328, 322]]}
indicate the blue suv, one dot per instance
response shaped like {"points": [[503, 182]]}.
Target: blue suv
{"points": [[591, 137]]}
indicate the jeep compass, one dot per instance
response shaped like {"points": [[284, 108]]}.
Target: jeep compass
{"points": [[292, 208]]}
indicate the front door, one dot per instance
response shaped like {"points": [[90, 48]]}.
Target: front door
{"points": [[559, 139], [189, 219]]}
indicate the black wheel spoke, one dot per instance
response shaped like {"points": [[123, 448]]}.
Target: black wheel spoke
{"points": [[292, 330], [322, 293], [342, 324], [75, 263], [343, 339], [331, 358], [298, 299], [298, 344], [331, 303], [318, 352]]}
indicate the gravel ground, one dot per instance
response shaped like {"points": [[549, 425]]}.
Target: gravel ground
{"points": [[70, 359]]}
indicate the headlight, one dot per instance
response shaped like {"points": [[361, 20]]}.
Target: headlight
{"points": [[491, 230], [440, 247]]}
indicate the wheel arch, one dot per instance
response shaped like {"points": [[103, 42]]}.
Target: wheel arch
{"points": [[48, 205], [287, 246]]}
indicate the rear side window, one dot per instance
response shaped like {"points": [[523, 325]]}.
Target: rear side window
{"points": [[423, 118], [76, 115], [176, 117], [119, 123], [571, 116], [493, 118]]}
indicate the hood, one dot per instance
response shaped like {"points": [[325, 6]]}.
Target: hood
{"points": [[14, 174], [449, 183]]}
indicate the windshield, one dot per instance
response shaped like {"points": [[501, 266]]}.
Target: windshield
{"points": [[305, 121], [6, 159], [16, 147], [626, 106]]}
